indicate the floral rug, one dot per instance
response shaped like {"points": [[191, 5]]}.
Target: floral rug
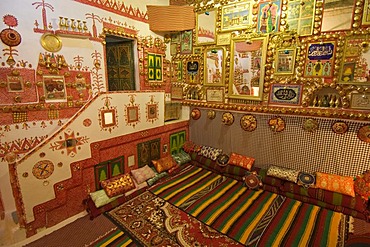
{"points": [[151, 221]]}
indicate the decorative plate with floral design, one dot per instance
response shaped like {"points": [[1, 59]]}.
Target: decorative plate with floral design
{"points": [[277, 124], [227, 118], [310, 125], [248, 123], [339, 127], [195, 114], [364, 133]]}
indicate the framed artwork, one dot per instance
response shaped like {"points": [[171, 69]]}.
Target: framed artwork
{"points": [[15, 83], [355, 65], [175, 38], [320, 59], [223, 38], [215, 95], [176, 70], [155, 65], [366, 14], [268, 19], [152, 112], [186, 42], [360, 101], [285, 60], [300, 17], [247, 70], [176, 92], [132, 114], [54, 88], [192, 70], [108, 118], [205, 31], [214, 66], [173, 48], [236, 16], [285, 94], [197, 50]]}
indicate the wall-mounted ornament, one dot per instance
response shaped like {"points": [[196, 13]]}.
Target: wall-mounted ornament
{"points": [[211, 114], [70, 143], [43, 169], [227, 118], [195, 114], [132, 115], [51, 42], [248, 123], [364, 133], [310, 125], [339, 127], [152, 110], [277, 124], [9, 36], [320, 59], [108, 118]]}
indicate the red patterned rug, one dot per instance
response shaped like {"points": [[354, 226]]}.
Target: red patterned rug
{"points": [[152, 221]]}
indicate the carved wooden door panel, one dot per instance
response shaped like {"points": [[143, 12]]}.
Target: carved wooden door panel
{"points": [[120, 63]]}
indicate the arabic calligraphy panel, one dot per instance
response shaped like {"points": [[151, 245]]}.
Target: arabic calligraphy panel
{"points": [[285, 94], [320, 59]]}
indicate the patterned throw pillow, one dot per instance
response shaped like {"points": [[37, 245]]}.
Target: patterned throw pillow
{"points": [[164, 164], [181, 157], [118, 185], [100, 198], [362, 185], [336, 183], [253, 180], [241, 160], [283, 173], [306, 179], [142, 174], [210, 152], [190, 146], [222, 159]]}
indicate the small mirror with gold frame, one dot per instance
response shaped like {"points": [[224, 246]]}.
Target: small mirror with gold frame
{"points": [[214, 66], [247, 67], [355, 65], [206, 27]]}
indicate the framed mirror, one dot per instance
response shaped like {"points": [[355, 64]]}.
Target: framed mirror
{"points": [[214, 66], [206, 27], [247, 67], [355, 67], [337, 15]]}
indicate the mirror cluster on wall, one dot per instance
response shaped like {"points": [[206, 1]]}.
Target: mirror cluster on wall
{"points": [[275, 53]]}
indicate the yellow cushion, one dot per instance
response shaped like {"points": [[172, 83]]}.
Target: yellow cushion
{"points": [[118, 185], [335, 183], [164, 164]]}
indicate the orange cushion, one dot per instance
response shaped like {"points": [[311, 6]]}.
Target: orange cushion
{"points": [[118, 185], [164, 164], [241, 160], [336, 183]]}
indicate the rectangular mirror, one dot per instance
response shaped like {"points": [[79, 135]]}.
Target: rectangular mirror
{"points": [[206, 27], [337, 15], [214, 66], [247, 67], [355, 65]]}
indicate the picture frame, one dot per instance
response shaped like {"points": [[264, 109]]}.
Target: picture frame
{"points": [[320, 59], [205, 31], [132, 114], [268, 19], [223, 39], [197, 50], [215, 95], [214, 66], [360, 101], [247, 70], [285, 94], [177, 92], [237, 16], [15, 83], [285, 61], [300, 17], [192, 69], [54, 88], [108, 118], [186, 46], [152, 112], [366, 14]]}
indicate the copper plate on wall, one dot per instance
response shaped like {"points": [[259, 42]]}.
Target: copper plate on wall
{"points": [[364, 133], [339, 127], [51, 42], [248, 123]]}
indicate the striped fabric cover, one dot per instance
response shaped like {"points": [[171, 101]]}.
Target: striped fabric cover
{"points": [[255, 218]]}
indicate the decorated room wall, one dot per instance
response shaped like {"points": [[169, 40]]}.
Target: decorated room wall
{"points": [[52, 69]]}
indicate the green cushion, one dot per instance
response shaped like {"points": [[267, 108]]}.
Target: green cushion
{"points": [[100, 198]]}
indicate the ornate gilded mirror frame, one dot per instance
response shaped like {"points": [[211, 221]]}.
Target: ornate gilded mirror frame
{"points": [[247, 67], [214, 66]]}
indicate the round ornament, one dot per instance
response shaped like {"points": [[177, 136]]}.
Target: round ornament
{"points": [[43, 169], [211, 114], [195, 114], [222, 160], [339, 127], [51, 42], [277, 124], [227, 118], [248, 123], [10, 37], [310, 125], [364, 133]]}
